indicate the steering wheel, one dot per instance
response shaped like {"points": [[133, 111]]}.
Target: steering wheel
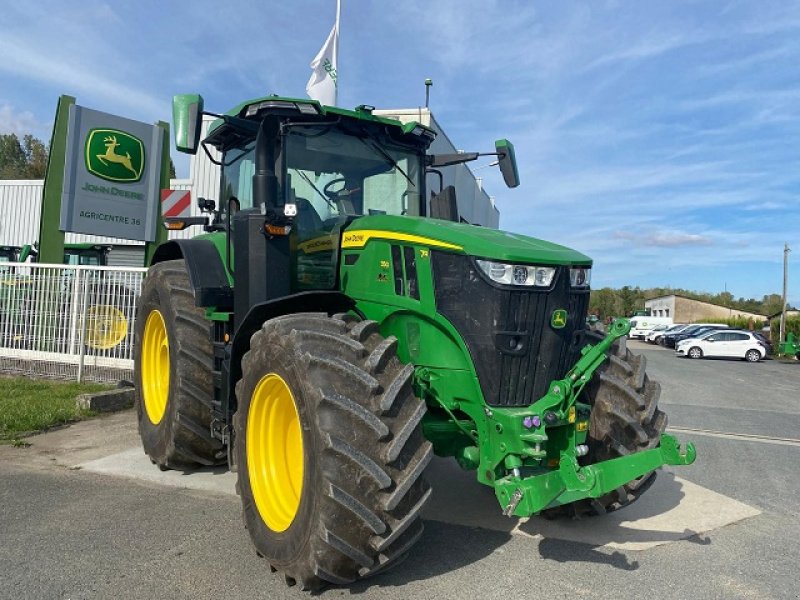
{"points": [[328, 191]]}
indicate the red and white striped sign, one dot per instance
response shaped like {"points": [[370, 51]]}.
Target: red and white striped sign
{"points": [[175, 203]]}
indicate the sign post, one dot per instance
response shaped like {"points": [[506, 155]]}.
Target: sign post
{"points": [[51, 238], [161, 232]]}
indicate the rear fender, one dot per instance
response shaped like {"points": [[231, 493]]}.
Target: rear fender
{"points": [[207, 272]]}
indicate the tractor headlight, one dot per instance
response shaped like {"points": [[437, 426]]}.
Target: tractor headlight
{"points": [[517, 274], [580, 277]]}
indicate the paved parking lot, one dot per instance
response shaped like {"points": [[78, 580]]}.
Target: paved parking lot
{"points": [[101, 532]]}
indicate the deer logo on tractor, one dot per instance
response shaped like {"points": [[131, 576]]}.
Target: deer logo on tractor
{"points": [[114, 155]]}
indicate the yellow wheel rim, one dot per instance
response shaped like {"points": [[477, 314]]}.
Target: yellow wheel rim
{"points": [[155, 367], [106, 327], [275, 452]]}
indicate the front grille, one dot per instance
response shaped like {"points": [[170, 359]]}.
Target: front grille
{"points": [[515, 350]]}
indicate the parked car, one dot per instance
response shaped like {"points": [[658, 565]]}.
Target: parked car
{"points": [[723, 344], [654, 336], [671, 340]]}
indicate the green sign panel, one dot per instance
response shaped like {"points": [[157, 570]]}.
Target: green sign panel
{"points": [[112, 169], [114, 155]]}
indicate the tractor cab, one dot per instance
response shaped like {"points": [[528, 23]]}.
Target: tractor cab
{"points": [[92, 255], [9, 253], [305, 172]]}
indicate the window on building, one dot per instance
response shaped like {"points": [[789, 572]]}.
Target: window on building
{"points": [[666, 312]]}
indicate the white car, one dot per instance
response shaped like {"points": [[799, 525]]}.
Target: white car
{"points": [[656, 332], [723, 344]]}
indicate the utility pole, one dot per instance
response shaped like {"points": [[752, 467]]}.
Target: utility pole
{"points": [[782, 333]]}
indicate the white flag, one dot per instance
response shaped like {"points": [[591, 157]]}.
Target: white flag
{"points": [[323, 83]]}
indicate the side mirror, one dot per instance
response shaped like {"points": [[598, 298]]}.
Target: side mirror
{"points": [[187, 118], [508, 162]]}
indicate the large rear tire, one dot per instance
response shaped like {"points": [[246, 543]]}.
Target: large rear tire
{"points": [[173, 361], [625, 419], [329, 449]]}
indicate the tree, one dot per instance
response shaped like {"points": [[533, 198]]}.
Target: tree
{"points": [[171, 168], [25, 160], [36, 157], [12, 157], [772, 304], [603, 303]]}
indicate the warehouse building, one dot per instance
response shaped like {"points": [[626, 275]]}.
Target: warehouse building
{"points": [[21, 200], [686, 310]]}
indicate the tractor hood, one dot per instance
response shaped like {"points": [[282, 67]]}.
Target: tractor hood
{"points": [[476, 241]]}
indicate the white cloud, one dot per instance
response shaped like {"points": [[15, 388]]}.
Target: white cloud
{"points": [[19, 122], [664, 239], [74, 75]]}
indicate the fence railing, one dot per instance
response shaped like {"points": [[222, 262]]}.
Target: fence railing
{"points": [[72, 322]]}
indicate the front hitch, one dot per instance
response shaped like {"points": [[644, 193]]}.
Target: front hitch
{"points": [[523, 497], [562, 480]]}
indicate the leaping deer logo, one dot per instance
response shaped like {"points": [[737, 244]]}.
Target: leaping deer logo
{"points": [[111, 155], [559, 319]]}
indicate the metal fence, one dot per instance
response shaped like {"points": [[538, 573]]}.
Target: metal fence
{"points": [[68, 322]]}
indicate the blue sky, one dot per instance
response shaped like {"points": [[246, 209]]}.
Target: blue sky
{"points": [[660, 138]]}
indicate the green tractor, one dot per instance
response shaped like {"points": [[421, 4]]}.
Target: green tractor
{"points": [[327, 335], [74, 254]]}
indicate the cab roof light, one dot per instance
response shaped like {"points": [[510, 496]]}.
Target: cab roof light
{"points": [[306, 108]]}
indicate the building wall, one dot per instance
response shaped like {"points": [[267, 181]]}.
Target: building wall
{"points": [[474, 204], [686, 310], [663, 307]]}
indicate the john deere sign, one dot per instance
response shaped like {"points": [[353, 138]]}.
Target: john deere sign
{"points": [[111, 176]]}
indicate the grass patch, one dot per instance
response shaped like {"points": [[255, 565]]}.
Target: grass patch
{"points": [[30, 405]]}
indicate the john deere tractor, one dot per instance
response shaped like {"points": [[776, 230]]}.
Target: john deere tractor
{"points": [[327, 335]]}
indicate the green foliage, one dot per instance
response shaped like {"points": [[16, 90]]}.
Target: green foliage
{"points": [[608, 302], [738, 322], [792, 326], [22, 160], [31, 405]]}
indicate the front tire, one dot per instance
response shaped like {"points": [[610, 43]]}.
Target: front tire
{"points": [[172, 370], [331, 390], [695, 352]]}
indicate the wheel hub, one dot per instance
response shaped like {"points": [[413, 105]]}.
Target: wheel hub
{"points": [[155, 367], [275, 452]]}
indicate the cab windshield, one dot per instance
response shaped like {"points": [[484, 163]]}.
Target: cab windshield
{"points": [[331, 176]]}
